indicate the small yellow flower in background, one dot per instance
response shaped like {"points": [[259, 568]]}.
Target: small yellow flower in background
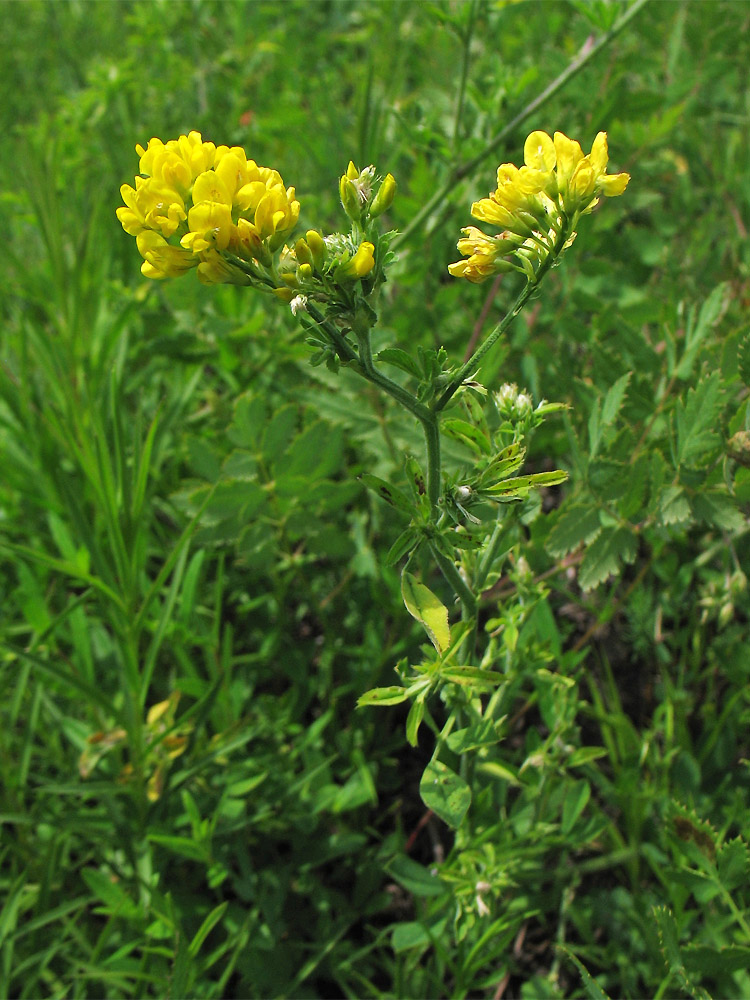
{"points": [[537, 205], [200, 199]]}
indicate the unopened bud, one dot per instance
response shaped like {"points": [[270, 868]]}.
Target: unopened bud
{"points": [[384, 198], [350, 198], [302, 252], [317, 248]]}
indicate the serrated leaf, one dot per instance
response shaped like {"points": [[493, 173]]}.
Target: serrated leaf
{"points": [[614, 399], [390, 494], [603, 557], [592, 989], [696, 420], [710, 313], [445, 792], [715, 961], [392, 695], [733, 863], [576, 525], [428, 609], [717, 509], [673, 506], [632, 500]]}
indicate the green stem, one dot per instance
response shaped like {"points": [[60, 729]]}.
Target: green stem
{"points": [[585, 56], [471, 365], [460, 587], [366, 368]]}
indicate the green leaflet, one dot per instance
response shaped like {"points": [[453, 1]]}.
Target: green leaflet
{"points": [[429, 611]]}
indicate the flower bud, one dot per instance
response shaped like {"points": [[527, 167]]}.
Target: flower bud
{"points": [[350, 198], [384, 198], [302, 252], [317, 248]]}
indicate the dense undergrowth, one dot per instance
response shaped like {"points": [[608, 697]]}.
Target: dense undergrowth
{"points": [[194, 595]]}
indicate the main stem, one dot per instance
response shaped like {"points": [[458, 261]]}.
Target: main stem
{"points": [[366, 368]]}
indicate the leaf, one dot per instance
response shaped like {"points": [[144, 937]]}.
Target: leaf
{"points": [[415, 878], [717, 509], [445, 792], [710, 313], [481, 734], [669, 943], [403, 544], [614, 399], [575, 801], [715, 961], [520, 485], [389, 493], [673, 506], [400, 359], [474, 677], [413, 721], [592, 988], [733, 863], [409, 935], [392, 695], [429, 611], [604, 555], [576, 525], [468, 434], [696, 420]]}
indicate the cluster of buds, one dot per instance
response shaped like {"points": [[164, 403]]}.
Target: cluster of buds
{"points": [[321, 266], [358, 196], [208, 207], [537, 206], [511, 403]]}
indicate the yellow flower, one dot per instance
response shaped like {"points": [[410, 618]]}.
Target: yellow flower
{"points": [[357, 266], [540, 204], [161, 260], [195, 200], [484, 256]]}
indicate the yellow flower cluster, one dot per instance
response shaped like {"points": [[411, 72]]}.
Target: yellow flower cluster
{"points": [[196, 200], [537, 206]]}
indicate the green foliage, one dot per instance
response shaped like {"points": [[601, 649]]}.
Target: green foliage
{"points": [[206, 790]]}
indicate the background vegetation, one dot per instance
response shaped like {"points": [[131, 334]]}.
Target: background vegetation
{"points": [[181, 521]]}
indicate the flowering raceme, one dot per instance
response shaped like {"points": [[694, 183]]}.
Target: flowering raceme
{"points": [[537, 206], [198, 205]]}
